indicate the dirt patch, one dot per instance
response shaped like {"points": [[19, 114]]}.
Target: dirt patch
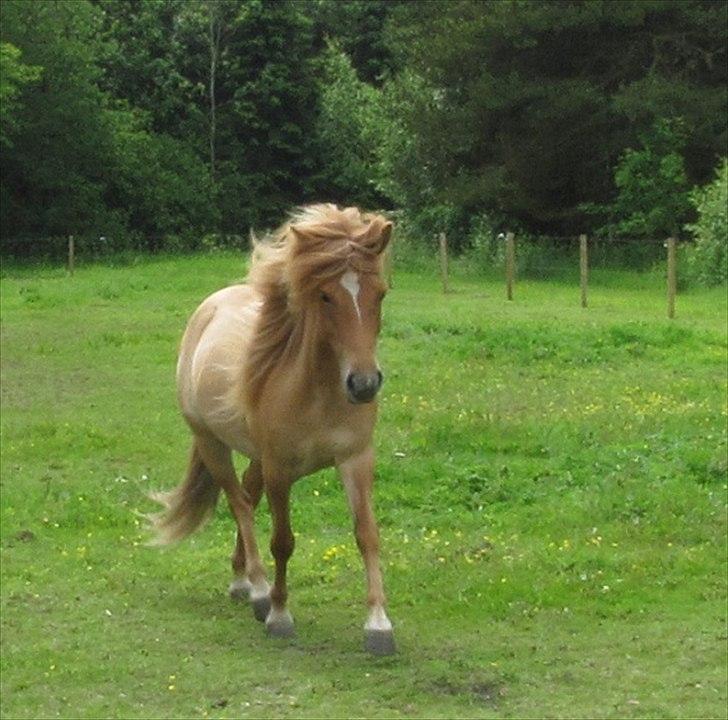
{"points": [[24, 536], [482, 691]]}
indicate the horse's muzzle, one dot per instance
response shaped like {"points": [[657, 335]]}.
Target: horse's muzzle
{"points": [[363, 387]]}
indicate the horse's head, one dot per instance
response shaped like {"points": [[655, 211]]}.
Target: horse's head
{"points": [[350, 311], [344, 261]]}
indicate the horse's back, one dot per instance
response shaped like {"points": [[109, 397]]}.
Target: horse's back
{"points": [[209, 368]]}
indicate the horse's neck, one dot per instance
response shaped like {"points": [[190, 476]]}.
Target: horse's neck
{"points": [[289, 344], [312, 363]]}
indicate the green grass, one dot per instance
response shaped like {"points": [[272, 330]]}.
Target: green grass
{"points": [[551, 491]]}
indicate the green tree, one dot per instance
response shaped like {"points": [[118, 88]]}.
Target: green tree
{"points": [[534, 102], [53, 176], [160, 189], [13, 76], [347, 138], [264, 99], [82, 161], [358, 29], [142, 54]]}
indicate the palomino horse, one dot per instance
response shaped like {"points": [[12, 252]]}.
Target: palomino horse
{"points": [[283, 370]]}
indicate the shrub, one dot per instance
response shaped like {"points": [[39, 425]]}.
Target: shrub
{"points": [[708, 258]]}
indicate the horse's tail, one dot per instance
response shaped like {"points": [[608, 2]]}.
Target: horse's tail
{"points": [[188, 506]]}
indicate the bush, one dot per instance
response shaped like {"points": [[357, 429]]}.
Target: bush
{"points": [[653, 192], [708, 258]]}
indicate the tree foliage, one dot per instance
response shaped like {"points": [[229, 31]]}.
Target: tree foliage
{"points": [[14, 74], [52, 176], [709, 257], [152, 119], [536, 101], [652, 200]]}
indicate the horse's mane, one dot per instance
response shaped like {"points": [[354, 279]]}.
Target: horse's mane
{"points": [[317, 244]]}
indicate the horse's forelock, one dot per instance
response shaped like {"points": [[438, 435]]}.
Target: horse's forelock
{"points": [[327, 242], [319, 243]]}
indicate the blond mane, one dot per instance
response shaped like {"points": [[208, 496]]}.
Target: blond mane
{"points": [[317, 244]]}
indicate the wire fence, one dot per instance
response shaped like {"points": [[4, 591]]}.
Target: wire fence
{"points": [[87, 248], [574, 259]]}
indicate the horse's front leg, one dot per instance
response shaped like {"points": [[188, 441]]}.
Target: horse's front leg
{"points": [[357, 476], [279, 622]]}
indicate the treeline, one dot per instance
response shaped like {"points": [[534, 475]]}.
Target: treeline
{"points": [[159, 122]]}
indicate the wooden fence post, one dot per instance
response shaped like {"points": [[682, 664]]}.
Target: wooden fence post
{"points": [[671, 276], [443, 263], [583, 267], [71, 255], [510, 264]]}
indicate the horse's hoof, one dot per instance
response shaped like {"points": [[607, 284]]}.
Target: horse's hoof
{"points": [[279, 624], [239, 589], [379, 642], [261, 607]]}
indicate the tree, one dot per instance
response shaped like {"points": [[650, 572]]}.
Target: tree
{"points": [[52, 178], [233, 81], [358, 29], [535, 102], [160, 189], [143, 54], [82, 161], [13, 76], [347, 132], [265, 99]]}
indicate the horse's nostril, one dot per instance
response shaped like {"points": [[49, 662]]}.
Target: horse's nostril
{"points": [[362, 387], [380, 378]]}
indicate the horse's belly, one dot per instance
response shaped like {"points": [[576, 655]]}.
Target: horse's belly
{"points": [[235, 435], [210, 370], [220, 405]]}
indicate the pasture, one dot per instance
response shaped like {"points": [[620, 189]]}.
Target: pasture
{"points": [[551, 493]]}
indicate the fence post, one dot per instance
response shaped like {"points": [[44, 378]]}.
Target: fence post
{"points": [[671, 277], [71, 255], [443, 263], [583, 267], [510, 264]]}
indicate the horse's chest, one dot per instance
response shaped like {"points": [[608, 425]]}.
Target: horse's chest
{"points": [[324, 448]]}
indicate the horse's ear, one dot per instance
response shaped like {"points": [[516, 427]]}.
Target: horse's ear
{"points": [[384, 237], [298, 235]]}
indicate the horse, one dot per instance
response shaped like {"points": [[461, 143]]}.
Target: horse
{"points": [[283, 370]]}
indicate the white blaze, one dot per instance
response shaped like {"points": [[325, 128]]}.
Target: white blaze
{"points": [[350, 283]]}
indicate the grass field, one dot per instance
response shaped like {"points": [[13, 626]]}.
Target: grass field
{"points": [[551, 491]]}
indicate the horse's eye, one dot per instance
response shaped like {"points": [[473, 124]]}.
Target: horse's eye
{"points": [[326, 298]]}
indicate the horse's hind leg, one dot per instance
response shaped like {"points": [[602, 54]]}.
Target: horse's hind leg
{"points": [[241, 586], [218, 460], [252, 481]]}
